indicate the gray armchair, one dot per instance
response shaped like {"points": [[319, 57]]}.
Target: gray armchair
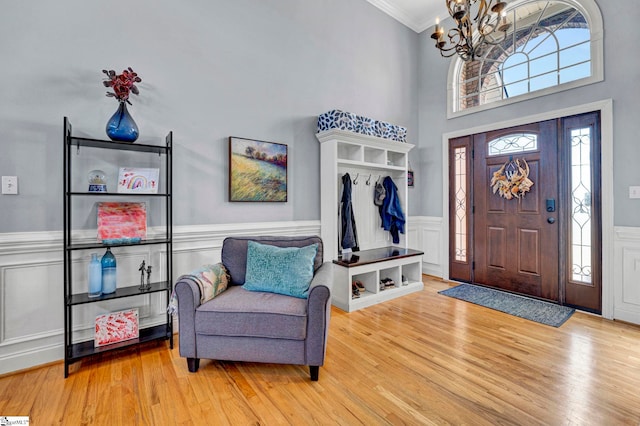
{"points": [[252, 326]]}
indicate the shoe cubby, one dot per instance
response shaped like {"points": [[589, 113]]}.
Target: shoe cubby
{"points": [[412, 272], [372, 266], [369, 280], [389, 274]]}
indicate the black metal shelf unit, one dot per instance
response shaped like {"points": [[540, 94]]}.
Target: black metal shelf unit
{"points": [[75, 351]]}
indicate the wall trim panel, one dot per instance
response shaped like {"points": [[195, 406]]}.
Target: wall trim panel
{"points": [[626, 288], [196, 244], [31, 251], [192, 246], [429, 240]]}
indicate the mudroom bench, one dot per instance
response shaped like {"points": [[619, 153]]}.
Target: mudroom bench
{"points": [[385, 273]]}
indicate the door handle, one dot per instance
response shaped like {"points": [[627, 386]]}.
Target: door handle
{"points": [[551, 219]]}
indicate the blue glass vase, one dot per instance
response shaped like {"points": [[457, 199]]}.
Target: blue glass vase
{"points": [[108, 263], [121, 127]]}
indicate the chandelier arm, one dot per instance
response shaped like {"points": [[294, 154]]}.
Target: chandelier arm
{"points": [[483, 8], [485, 23], [461, 39]]}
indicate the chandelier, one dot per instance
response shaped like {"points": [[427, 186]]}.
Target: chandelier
{"points": [[490, 19]]}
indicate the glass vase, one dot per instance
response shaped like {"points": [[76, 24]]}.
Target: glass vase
{"points": [[95, 276], [108, 272], [121, 127]]}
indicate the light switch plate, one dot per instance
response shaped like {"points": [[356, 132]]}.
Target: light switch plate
{"points": [[634, 192], [10, 185]]}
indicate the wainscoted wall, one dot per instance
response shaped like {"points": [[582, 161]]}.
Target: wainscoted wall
{"points": [[626, 275], [428, 237], [31, 287], [31, 306]]}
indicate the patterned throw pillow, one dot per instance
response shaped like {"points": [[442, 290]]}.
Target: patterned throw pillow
{"points": [[282, 270]]}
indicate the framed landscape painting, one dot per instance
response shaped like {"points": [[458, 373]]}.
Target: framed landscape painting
{"points": [[257, 170]]}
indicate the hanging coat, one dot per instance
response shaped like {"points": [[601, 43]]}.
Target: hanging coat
{"points": [[349, 233], [391, 211]]}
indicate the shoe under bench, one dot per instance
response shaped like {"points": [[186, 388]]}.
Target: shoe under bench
{"points": [[370, 267]]}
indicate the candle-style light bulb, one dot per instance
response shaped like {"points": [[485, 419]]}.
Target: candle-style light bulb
{"points": [[504, 24], [438, 31]]}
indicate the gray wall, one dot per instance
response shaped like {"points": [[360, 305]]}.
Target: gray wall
{"points": [[620, 83], [260, 69]]}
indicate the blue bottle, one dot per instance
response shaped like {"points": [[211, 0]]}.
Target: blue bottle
{"points": [[108, 272], [95, 276]]}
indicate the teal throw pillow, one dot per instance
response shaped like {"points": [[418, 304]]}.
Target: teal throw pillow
{"points": [[282, 270]]}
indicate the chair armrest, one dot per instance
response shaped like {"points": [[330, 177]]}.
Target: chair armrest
{"points": [[323, 276], [319, 311], [188, 294]]}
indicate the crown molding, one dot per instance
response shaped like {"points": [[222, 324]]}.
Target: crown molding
{"points": [[400, 15]]}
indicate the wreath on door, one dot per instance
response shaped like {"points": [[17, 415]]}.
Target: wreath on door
{"points": [[512, 179]]}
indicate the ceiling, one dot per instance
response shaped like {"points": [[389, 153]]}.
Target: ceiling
{"points": [[415, 14]]}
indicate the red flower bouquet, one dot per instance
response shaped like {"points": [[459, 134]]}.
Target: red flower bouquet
{"points": [[122, 84]]}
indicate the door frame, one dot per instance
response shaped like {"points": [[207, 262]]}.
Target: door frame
{"points": [[605, 107]]}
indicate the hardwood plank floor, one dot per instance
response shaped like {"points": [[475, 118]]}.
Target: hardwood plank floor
{"points": [[421, 359]]}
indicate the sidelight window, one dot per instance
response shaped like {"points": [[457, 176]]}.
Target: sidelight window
{"points": [[460, 160], [581, 220]]}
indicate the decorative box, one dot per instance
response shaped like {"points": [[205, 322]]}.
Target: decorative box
{"points": [[366, 126], [385, 130], [336, 119], [402, 134]]}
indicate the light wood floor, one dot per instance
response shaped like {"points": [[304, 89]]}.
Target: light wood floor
{"points": [[421, 359]]}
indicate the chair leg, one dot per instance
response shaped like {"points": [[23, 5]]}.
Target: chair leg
{"points": [[193, 364], [315, 372]]}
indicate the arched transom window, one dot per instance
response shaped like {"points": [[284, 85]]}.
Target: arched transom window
{"points": [[550, 44]]}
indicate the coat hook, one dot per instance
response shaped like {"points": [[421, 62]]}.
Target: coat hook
{"points": [[355, 181], [369, 180]]}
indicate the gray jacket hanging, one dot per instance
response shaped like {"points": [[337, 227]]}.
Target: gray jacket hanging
{"points": [[349, 233]]}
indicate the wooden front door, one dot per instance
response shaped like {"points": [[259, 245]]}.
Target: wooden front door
{"points": [[516, 240], [546, 242]]}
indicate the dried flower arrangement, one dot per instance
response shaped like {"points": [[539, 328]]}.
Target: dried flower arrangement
{"points": [[514, 182]]}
